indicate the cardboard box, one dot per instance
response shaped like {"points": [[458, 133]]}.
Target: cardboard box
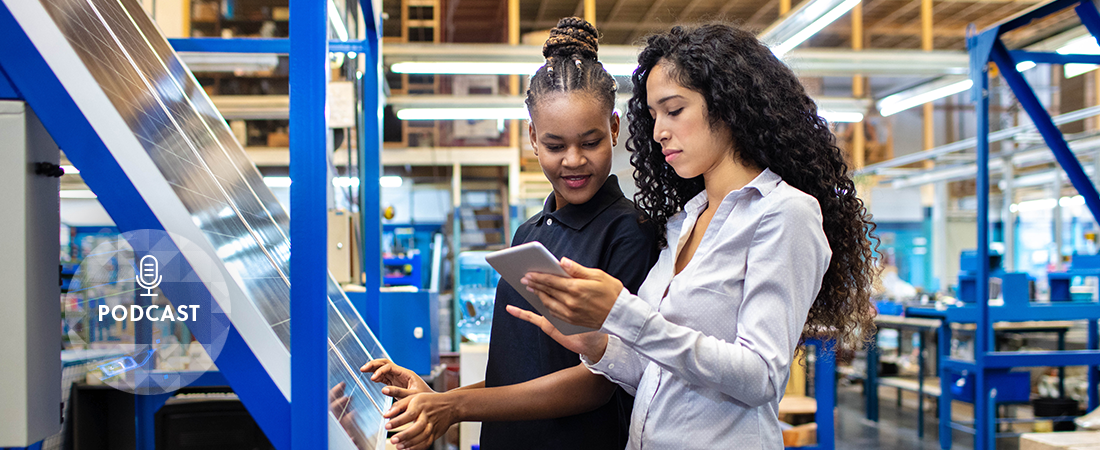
{"points": [[278, 139], [1069, 440], [801, 436]]}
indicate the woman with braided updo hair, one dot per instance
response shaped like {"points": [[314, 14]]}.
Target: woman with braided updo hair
{"points": [[536, 394]]}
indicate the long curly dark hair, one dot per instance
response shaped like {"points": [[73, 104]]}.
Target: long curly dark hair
{"points": [[775, 125]]}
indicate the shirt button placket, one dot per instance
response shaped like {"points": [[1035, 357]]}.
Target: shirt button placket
{"points": [[648, 404], [549, 221]]}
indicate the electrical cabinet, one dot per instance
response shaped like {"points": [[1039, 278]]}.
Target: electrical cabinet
{"points": [[30, 401]]}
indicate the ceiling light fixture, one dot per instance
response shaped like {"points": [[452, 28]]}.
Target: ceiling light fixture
{"points": [[489, 68], [390, 181], [77, 193], [336, 21], [922, 94], [277, 182], [803, 22], [840, 116], [1084, 45], [462, 113]]}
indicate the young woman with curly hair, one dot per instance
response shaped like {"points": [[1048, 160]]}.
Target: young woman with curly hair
{"points": [[765, 244]]}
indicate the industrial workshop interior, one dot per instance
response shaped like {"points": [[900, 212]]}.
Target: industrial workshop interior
{"points": [[486, 209]]}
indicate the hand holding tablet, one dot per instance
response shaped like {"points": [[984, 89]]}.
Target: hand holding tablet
{"points": [[513, 263]]}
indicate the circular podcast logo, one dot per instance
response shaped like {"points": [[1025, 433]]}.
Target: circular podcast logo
{"points": [[149, 311]]}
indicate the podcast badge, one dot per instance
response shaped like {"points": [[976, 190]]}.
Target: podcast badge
{"points": [[151, 303]]}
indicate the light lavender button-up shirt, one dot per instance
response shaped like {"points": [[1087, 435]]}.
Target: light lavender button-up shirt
{"points": [[709, 362]]}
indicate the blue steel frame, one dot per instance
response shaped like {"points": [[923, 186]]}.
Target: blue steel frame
{"points": [[824, 393], [309, 47], [371, 95], [986, 47], [7, 91], [39, 87], [308, 225]]}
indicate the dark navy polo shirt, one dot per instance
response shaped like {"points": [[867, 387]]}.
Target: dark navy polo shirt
{"points": [[610, 233]]}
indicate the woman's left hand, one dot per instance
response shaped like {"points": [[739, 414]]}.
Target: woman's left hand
{"points": [[584, 300]]}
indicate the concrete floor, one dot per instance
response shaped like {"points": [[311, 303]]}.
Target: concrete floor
{"points": [[896, 428]]}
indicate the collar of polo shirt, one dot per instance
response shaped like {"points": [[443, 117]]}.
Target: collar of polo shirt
{"points": [[577, 216]]}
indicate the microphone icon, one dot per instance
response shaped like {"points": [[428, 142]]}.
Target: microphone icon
{"points": [[149, 275]]}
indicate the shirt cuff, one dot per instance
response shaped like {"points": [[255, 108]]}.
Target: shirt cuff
{"points": [[614, 358], [627, 318]]}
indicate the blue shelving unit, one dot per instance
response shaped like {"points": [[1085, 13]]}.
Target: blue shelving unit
{"points": [[309, 50], [824, 393], [986, 47]]}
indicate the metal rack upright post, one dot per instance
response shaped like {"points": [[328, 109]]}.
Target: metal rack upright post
{"points": [[309, 49], [986, 47]]}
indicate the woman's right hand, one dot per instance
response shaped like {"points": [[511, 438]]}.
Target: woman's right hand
{"points": [[400, 382], [591, 344], [431, 415]]}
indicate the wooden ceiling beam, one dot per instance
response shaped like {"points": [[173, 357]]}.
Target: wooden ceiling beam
{"points": [[647, 18], [615, 9], [542, 12], [963, 16], [759, 14], [688, 9], [896, 30], [836, 28], [729, 5], [1020, 2], [605, 26], [906, 9]]}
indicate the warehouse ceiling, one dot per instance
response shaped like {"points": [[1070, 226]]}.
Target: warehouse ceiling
{"points": [[887, 24]]}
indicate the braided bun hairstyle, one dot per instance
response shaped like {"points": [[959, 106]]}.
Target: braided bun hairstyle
{"points": [[571, 65]]}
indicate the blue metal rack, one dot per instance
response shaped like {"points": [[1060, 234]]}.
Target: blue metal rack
{"points": [[309, 48], [986, 47], [301, 424], [824, 393]]}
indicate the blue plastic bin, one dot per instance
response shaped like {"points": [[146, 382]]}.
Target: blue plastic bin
{"points": [[1012, 387]]}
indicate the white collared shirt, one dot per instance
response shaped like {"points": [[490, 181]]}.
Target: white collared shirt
{"points": [[709, 362]]}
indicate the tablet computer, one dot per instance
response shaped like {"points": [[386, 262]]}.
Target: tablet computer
{"points": [[513, 263]]}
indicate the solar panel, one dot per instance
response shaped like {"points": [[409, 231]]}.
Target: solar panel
{"points": [[193, 150]]}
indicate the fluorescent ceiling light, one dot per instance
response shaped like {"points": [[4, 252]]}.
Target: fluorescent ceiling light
{"points": [[229, 62], [70, 170], [336, 21], [462, 113], [803, 22], [78, 193], [390, 181], [1084, 45], [277, 182], [922, 94], [840, 116], [466, 68], [489, 68], [343, 182], [1047, 203], [1033, 205], [1070, 202], [953, 85]]}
